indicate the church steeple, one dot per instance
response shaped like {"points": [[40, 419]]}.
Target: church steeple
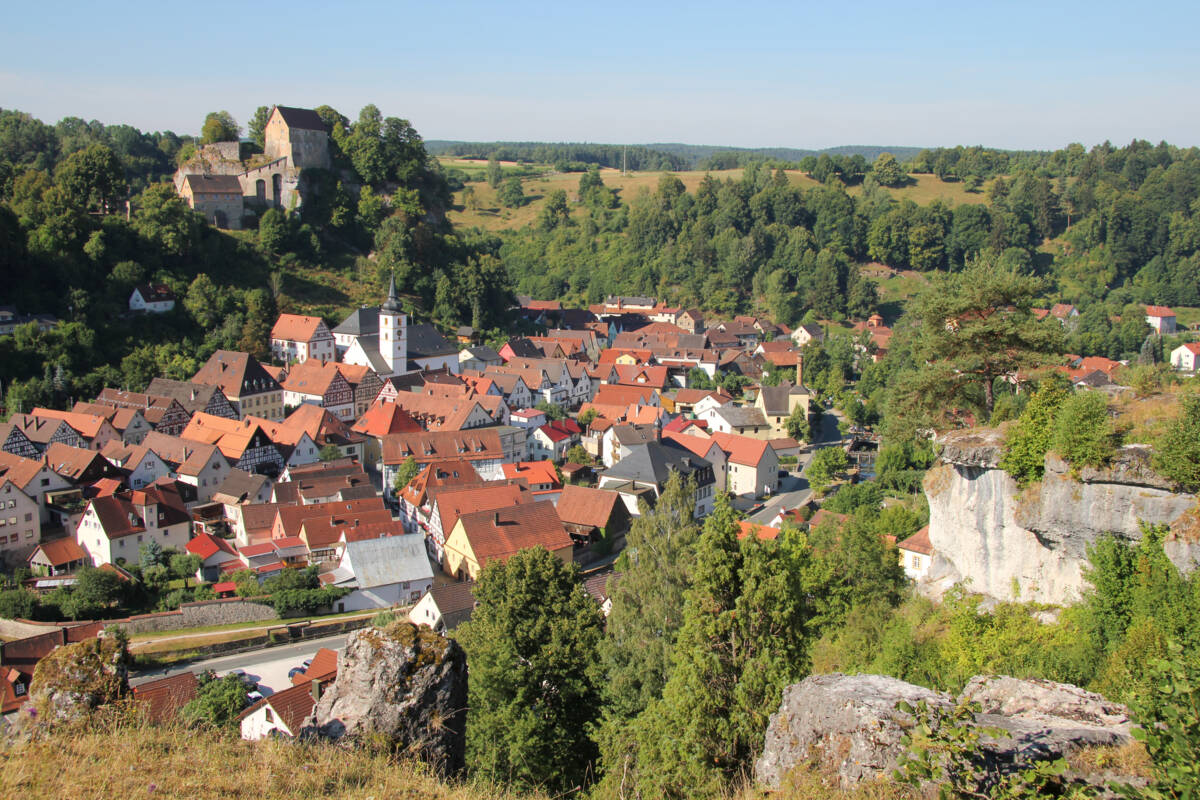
{"points": [[393, 302]]}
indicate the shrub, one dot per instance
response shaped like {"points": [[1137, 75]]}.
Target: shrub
{"points": [[17, 604], [1177, 451], [1083, 431], [1029, 439]]}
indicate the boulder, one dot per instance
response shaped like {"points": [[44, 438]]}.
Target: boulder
{"points": [[403, 688], [846, 725], [77, 678]]}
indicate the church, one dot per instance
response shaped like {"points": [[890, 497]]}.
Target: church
{"points": [[382, 340]]}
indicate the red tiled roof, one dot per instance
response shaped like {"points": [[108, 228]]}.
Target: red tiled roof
{"points": [[761, 531], [502, 532], [297, 328], [535, 472], [61, 552], [384, 418], [741, 449], [1159, 311], [206, 545], [918, 542], [160, 700], [582, 506], [324, 665]]}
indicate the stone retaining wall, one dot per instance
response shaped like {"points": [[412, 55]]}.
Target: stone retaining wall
{"points": [[200, 614]]}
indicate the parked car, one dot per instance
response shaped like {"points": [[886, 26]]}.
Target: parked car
{"points": [[294, 671], [254, 697]]}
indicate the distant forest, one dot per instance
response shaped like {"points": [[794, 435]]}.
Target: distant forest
{"points": [[653, 157]]}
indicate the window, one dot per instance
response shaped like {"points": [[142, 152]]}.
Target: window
{"points": [[45, 481], [270, 715], [29, 517]]}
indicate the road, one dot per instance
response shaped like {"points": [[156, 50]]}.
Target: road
{"points": [[794, 490], [268, 666]]}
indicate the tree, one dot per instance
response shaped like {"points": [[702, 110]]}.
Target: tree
{"points": [[975, 327], [273, 231], [204, 302], [407, 470], [587, 417], [330, 452], [578, 455], [495, 173], [532, 644], [97, 588], [256, 128], [184, 565], [150, 554], [511, 194], [551, 410], [555, 212], [888, 171], [1083, 431], [826, 465], [1028, 441], [93, 178], [219, 126], [17, 604], [797, 425], [218, 701], [165, 221]]}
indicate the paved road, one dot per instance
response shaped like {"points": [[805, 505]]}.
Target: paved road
{"points": [[268, 666], [794, 490]]}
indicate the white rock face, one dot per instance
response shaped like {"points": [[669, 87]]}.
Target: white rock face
{"points": [[1032, 545]]}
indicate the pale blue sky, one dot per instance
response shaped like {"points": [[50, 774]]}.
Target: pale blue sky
{"points": [[754, 74]]}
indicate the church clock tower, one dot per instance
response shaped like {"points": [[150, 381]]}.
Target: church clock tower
{"points": [[393, 344]]}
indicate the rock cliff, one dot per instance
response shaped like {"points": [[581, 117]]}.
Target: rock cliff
{"points": [[403, 688], [77, 678], [1032, 545], [848, 725]]}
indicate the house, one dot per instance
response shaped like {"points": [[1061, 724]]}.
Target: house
{"points": [[296, 337], [20, 516], [247, 386], [592, 515], [707, 448], [554, 439], [752, 467], [129, 423], [528, 418], [243, 443], [38, 432], [213, 552], [35, 479], [444, 607], [153, 298], [323, 667], [218, 198], [690, 320], [541, 476], [451, 503], [448, 411], [95, 431], [324, 429], [160, 701], [807, 333], [617, 440], [777, 403], [163, 414], [483, 536], [364, 383], [142, 465], [648, 467], [284, 713], [916, 554], [240, 487], [1186, 357], [320, 384], [1161, 319], [382, 419], [193, 397], [385, 572], [57, 557], [478, 358], [416, 498], [78, 466], [202, 465], [743, 420], [115, 526], [481, 447]]}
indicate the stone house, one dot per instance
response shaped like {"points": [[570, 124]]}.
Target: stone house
{"points": [[217, 197], [297, 135]]}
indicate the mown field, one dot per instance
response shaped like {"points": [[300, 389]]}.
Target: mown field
{"points": [[491, 215]]}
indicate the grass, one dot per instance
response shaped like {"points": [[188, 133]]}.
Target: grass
{"points": [[491, 216], [138, 762]]}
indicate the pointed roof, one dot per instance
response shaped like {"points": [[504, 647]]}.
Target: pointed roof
{"points": [[393, 302]]}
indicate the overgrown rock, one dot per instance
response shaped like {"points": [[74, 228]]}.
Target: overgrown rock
{"points": [[403, 688], [77, 678], [847, 725]]}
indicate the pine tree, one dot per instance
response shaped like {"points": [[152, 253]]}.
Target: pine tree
{"points": [[533, 652]]}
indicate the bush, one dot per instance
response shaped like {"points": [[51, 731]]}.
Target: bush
{"points": [[18, 604], [1028, 441], [1177, 451], [848, 498], [305, 602], [1083, 431], [218, 701]]}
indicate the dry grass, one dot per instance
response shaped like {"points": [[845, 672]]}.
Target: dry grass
{"points": [[136, 762], [1130, 760], [491, 216], [1144, 418]]}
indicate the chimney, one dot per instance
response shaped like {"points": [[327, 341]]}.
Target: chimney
{"points": [[496, 519], [316, 690]]}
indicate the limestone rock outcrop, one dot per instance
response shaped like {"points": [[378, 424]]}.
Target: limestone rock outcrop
{"points": [[1032, 544], [76, 678], [848, 725], [404, 688]]}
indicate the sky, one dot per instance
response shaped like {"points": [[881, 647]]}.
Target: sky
{"points": [[1014, 75]]}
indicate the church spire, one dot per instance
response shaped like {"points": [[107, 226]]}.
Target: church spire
{"points": [[393, 302]]}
